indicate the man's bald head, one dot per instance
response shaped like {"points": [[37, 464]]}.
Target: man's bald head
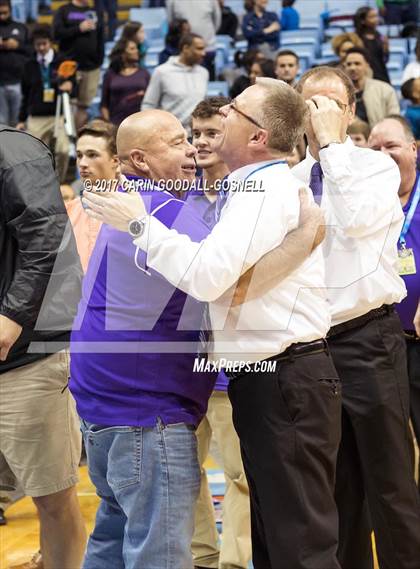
{"points": [[153, 144], [141, 129]]}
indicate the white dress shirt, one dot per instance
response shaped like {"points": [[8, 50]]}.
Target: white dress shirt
{"points": [[252, 223], [364, 220], [47, 58]]}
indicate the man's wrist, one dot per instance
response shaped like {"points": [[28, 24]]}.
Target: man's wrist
{"points": [[326, 143]]}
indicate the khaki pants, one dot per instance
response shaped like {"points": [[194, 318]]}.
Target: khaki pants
{"points": [[43, 128], [235, 551], [40, 439]]}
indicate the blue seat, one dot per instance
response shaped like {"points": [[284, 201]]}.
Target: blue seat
{"points": [[398, 44], [327, 50], [217, 88], [302, 34], [154, 21], [412, 44], [397, 58], [395, 76]]}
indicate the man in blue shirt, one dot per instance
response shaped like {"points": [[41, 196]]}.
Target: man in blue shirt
{"points": [[262, 29], [394, 137], [290, 18]]}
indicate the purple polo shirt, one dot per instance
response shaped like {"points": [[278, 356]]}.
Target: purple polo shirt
{"points": [[207, 212], [116, 379], [407, 308]]}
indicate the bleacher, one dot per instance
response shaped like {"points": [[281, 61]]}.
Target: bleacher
{"points": [[320, 21]]}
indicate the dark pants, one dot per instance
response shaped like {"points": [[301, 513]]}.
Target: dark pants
{"points": [[109, 6], [375, 460], [413, 358], [401, 14], [288, 423], [208, 63]]}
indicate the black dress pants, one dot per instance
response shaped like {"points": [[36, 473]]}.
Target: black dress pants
{"points": [[289, 425], [375, 460], [413, 359]]}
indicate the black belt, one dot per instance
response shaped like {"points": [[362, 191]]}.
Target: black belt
{"points": [[294, 351], [361, 320]]}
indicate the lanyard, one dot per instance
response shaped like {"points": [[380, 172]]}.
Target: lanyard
{"points": [[410, 213], [264, 167], [45, 72]]}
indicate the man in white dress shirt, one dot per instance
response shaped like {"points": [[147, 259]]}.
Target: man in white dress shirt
{"points": [[288, 419], [358, 191]]}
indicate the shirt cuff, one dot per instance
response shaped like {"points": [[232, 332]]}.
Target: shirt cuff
{"points": [[333, 158]]}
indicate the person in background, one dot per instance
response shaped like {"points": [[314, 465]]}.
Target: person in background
{"points": [[14, 51], [412, 70], [289, 17], [235, 549], [229, 25], [341, 43], [262, 28], [257, 67], [124, 84], [410, 90], [374, 99], [80, 36], [134, 31], [180, 83], [399, 11], [243, 61], [287, 66], [205, 18], [31, 10], [97, 161], [359, 132], [365, 22], [41, 85], [110, 8], [177, 28], [394, 137]]}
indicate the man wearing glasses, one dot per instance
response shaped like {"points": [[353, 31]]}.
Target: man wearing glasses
{"points": [[358, 192], [284, 389]]}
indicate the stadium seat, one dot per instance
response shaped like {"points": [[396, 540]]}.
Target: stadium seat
{"points": [[412, 44], [154, 21], [327, 50], [303, 33], [397, 59], [218, 88]]}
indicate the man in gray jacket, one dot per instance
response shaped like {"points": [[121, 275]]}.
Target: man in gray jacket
{"points": [[374, 99], [180, 84]]}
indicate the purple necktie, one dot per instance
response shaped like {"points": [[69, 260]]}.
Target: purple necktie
{"points": [[315, 183]]}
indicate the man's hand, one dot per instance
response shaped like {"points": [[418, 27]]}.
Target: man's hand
{"points": [[114, 208], [9, 333], [327, 119], [312, 218], [416, 320], [10, 44], [273, 27], [20, 126], [87, 26], [66, 86]]}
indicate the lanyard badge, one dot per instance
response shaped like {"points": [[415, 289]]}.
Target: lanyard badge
{"points": [[406, 259]]}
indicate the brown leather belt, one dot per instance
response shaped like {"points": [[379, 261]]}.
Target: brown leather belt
{"points": [[292, 352], [360, 321]]}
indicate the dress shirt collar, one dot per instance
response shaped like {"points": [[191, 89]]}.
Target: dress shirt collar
{"points": [[48, 57], [244, 171]]}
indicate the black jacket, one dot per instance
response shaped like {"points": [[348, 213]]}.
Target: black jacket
{"points": [[13, 60], [33, 89], [87, 48], [40, 272]]}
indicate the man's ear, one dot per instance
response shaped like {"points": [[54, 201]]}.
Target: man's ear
{"points": [[259, 138], [138, 162]]}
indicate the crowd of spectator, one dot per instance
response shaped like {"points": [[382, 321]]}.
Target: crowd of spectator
{"points": [[30, 56]]}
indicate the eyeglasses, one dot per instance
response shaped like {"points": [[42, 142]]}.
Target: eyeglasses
{"points": [[250, 119]]}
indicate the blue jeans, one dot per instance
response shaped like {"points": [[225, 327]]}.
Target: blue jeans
{"points": [[10, 99], [148, 480], [109, 6], [401, 14]]}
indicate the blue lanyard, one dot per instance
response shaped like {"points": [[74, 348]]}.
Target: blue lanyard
{"points": [[46, 79], [264, 167], [410, 214]]}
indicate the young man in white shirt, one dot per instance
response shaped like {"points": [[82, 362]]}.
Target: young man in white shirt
{"points": [[284, 389]]}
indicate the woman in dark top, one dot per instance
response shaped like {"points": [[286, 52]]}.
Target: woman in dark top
{"points": [[176, 29], [366, 21], [124, 83]]}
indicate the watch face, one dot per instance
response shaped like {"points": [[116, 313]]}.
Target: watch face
{"points": [[135, 228]]}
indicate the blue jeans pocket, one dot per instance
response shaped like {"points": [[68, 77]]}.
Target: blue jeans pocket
{"points": [[119, 449]]}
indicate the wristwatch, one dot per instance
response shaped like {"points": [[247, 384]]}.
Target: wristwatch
{"points": [[136, 227]]}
